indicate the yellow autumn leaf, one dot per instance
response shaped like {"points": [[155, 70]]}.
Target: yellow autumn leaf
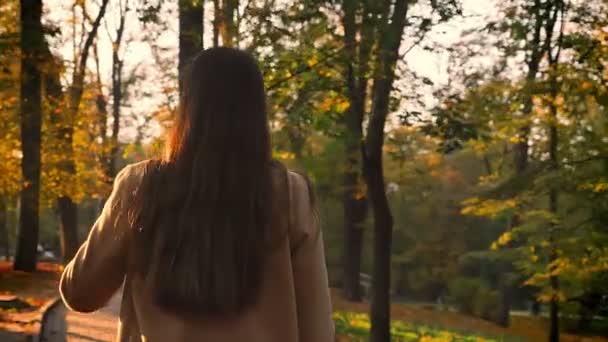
{"points": [[342, 106], [600, 187], [505, 238], [514, 139], [312, 61], [285, 155], [534, 258], [326, 104], [433, 160]]}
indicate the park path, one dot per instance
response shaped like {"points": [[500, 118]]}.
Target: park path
{"points": [[68, 326], [98, 326]]}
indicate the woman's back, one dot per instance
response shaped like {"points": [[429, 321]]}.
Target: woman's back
{"points": [[214, 242], [293, 302]]}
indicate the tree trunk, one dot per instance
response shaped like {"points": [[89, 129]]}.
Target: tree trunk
{"points": [[535, 309], [389, 44], [505, 289], [190, 33], [68, 215], [354, 197], [102, 111], [588, 306], [297, 141], [355, 209], [295, 129], [202, 24], [355, 206], [553, 200], [117, 91], [31, 122], [557, 9], [383, 224], [520, 157], [353, 234], [553, 279], [228, 28], [53, 93], [68, 210], [217, 22], [4, 243]]}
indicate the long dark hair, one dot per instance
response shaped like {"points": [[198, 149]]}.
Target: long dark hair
{"points": [[203, 211]]}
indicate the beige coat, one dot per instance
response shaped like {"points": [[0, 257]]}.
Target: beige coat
{"points": [[294, 304]]}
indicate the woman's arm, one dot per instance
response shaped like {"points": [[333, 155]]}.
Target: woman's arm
{"points": [[313, 301], [98, 268]]}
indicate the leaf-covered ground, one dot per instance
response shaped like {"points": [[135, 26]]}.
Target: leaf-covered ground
{"points": [[23, 294], [34, 288]]}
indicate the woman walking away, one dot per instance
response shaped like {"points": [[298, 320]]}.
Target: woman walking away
{"points": [[214, 241]]}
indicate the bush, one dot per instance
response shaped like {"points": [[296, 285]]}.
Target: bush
{"points": [[462, 292], [485, 303], [473, 296]]}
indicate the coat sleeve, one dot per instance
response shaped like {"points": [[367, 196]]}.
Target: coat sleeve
{"points": [[313, 300], [98, 269]]}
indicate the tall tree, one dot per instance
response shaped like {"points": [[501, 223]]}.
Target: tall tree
{"points": [[553, 52], [226, 19], [101, 102], [228, 27], [531, 24], [4, 240], [32, 38], [372, 38], [217, 22], [354, 195], [553, 206], [390, 33], [68, 209], [190, 33], [117, 88], [552, 243]]}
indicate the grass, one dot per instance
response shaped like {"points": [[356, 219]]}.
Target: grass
{"points": [[429, 325], [355, 327]]}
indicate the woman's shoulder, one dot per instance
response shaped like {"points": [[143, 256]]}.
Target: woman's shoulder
{"points": [[300, 182], [290, 182], [141, 166], [279, 170], [132, 173]]}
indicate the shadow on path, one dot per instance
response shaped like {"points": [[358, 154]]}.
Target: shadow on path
{"points": [[9, 336], [75, 336], [67, 326]]}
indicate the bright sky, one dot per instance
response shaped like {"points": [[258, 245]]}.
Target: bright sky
{"points": [[137, 54], [433, 64]]}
